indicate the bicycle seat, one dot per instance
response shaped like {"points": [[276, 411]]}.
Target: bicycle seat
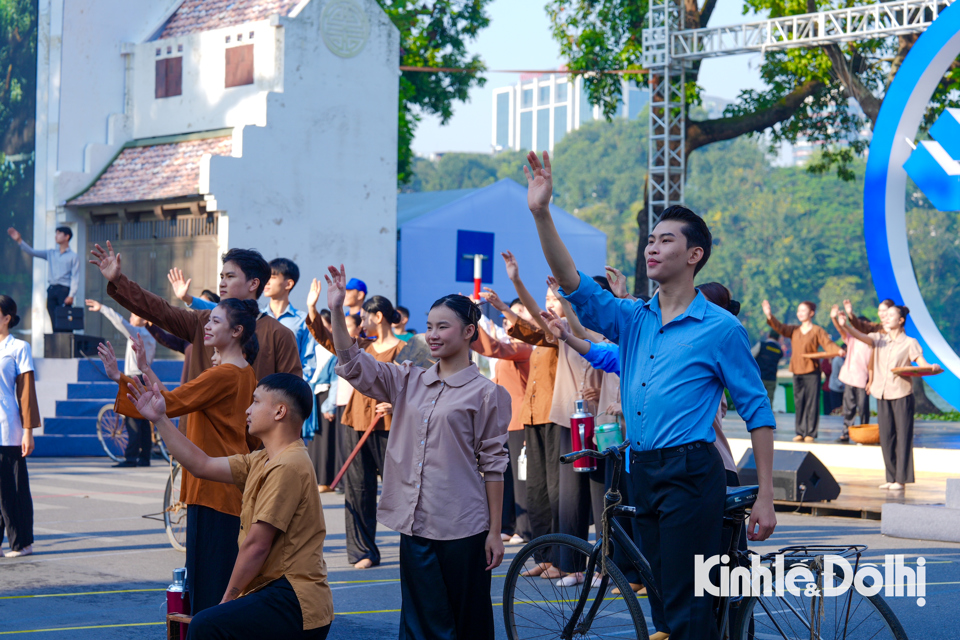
{"points": [[738, 497]]}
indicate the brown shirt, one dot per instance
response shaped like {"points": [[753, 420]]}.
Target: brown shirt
{"points": [[864, 326], [283, 492], [538, 396], [889, 354], [802, 343], [448, 440], [217, 402], [511, 372], [278, 346], [27, 400]]}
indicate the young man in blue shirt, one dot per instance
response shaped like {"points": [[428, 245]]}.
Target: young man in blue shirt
{"points": [[677, 354]]}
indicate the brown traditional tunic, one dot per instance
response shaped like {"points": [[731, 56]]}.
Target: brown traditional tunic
{"points": [[802, 343], [511, 372], [538, 396]]}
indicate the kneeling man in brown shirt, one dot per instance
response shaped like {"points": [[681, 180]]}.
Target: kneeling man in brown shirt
{"points": [[278, 588]]}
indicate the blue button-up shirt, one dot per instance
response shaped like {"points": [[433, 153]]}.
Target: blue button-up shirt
{"points": [[604, 356], [673, 376]]}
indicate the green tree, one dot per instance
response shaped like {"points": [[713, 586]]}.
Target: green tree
{"points": [[18, 75], [433, 34], [465, 171]]}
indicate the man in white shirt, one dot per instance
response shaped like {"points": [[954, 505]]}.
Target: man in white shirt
{"points": [[140, 442], [63, 268]]}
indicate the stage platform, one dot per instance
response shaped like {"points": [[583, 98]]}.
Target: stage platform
{"points": [[859, 468]]}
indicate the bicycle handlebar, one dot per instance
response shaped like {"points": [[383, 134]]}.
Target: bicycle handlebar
{"points": [[606, 453]]}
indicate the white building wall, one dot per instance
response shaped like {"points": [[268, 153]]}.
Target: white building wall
{"points": [[317, 184]]}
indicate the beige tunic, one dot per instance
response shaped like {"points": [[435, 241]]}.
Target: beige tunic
{"points": [[889, 354]]}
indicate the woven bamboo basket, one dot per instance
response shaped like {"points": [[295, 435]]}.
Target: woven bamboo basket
{"points": [[865, 434]]}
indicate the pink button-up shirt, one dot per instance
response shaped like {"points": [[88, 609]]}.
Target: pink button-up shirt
{"points": [[446, 440], [856, 366]]}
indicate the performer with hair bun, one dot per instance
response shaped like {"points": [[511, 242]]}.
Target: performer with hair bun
{"points": [[20, 414], [443, 473]]}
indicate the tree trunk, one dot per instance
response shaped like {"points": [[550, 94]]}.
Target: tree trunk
{"points": [[923, 403]]}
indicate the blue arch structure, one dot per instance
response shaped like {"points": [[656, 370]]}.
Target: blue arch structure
{"points": [[884, 212]]}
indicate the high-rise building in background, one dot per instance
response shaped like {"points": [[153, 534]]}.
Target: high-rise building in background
{"points": [[537, 111]]}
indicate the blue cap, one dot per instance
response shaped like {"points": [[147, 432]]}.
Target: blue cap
{"points": [[357, 284]]}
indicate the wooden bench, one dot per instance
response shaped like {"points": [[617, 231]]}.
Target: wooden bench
{"points": [[177, 624]]}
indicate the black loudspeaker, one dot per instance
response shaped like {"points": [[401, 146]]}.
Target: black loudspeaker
{"points": [[798, 476], [70, 345], [67, 319]]}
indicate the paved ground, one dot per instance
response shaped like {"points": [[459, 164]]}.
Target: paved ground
{"points": [[100, 569]]}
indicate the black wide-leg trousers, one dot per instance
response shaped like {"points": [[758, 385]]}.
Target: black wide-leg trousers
{"points": [[360, 494], [856, 403], [16, 503], [896, 437], [806, 400], [445, 589], [323, 446], [211, 553], [543, 480]]}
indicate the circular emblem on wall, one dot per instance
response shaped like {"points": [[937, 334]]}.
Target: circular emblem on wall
{"points": [[884, 210], [344, 27]]}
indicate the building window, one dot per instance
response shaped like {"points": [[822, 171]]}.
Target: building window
{"points": [[543, 129], [544, 95], [561, 92], [526, 130], [559, 124], [239, 66], [586, 109], [503, 120], [169, 78], [526, 100]]}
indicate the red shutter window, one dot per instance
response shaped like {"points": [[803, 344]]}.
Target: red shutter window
{"points": [[239, 66], [169, 81]]}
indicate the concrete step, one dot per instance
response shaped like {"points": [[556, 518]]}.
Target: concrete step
{"points": [[79, 408], [92, 370], [70, 426], [50, 446], [106, 391]]}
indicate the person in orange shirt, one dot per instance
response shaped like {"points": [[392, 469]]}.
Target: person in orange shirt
{"points": [[217, 399]]}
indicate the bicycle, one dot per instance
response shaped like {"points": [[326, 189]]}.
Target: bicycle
{"points": [[114, 437], [591, 610]]}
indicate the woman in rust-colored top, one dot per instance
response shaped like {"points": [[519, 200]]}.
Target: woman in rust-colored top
{"points": [[377, 317], [805, 338], [443, 480], [217, 400], [511, 373]]}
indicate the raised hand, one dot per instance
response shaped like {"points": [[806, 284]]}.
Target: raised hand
{"points": [[766, 309], [313, 296], [336, 288], [181, 287], [109, 359], [141, 352], [513, 270], [491, 296], [556, 325], [554, 286], [107, 262], [539, 183], [848, 307], [93, 305], [834, 311], [149, 401], [842, 319], [617, 281], [14, 234]]}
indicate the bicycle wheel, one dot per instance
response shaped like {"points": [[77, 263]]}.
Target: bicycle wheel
{"points": [[158, 446], [174, 511], [112, 432], [534, 607], [789, 618]]}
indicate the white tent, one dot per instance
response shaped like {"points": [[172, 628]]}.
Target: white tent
{"points": [[439, 231]]}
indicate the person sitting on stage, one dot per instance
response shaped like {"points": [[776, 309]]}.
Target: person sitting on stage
{"points": [[278, 588], [677, 352]]}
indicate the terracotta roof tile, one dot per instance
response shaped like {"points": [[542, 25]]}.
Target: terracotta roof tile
{"points": [[205, 15], [157, 172]]}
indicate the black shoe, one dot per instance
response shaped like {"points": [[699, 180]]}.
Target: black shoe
{"points": [[125, 463], [143, 463], [843, 439]]}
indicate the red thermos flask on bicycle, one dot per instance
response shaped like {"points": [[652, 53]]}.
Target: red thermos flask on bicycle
{"points": [[581, 430]]}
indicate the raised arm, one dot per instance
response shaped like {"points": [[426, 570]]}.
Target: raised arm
{"points": [[167, 339], [144, 363], [786, 330], [16, 237], [853, 331], [561, 331], [491, 296], [539, 192], [528, 301], [487, 345], [834, 314]]}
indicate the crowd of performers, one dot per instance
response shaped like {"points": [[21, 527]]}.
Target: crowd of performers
{"points": [[272, 402]]}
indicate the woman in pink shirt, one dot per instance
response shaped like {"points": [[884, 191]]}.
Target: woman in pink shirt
{"points": [[443, 469], [854, 374]]}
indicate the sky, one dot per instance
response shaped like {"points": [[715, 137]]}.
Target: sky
{"points": [[519, 38]]}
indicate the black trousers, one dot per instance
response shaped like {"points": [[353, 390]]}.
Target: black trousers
{"points": [[581, 496], [543, 479], [521, 525], [360, 494], [57, 295], [16, 503], [445, 589], [856, 403], [342, 451], [680, 493], [806, 399], [271, 612], [139, 442], [322, 448], [211, 553], [896, 437]]}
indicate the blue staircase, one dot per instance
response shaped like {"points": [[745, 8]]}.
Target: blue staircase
{"points": [[73, 431]]}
